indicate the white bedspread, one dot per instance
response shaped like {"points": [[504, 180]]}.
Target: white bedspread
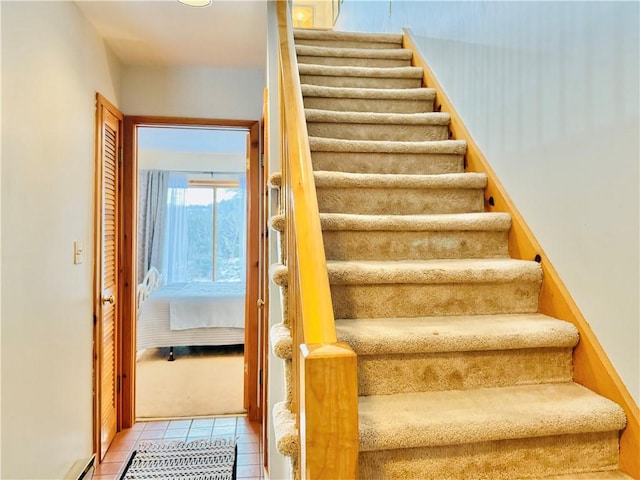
{"points": [[204, 304]]}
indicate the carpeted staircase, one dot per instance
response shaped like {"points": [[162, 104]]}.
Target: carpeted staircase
{"points": [[459, 377]]}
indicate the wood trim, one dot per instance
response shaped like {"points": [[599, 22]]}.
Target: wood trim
{"points": [[97, 235], [129, 242], [252, 349], [159, 121], [592, 367], [329, 398], [213, 183], [103, 104], [264, 277], [317, 314]]}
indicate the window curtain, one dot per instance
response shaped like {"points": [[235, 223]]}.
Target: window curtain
{"points": [[152, 209], [174, 261]]}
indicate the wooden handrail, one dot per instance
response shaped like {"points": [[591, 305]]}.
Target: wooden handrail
{"points": [[319, 325], [324, 371]]}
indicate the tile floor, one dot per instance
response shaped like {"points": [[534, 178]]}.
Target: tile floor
{"points": [[248, 433]]}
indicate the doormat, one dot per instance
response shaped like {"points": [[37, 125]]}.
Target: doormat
{"points": [[204, 459]]}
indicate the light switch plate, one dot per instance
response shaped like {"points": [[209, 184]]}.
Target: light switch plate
{"points": [[78, 253]]}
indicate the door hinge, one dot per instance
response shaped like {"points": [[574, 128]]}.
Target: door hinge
{"points": [[118, 383], [260, 378], [120, 155], [95, 319]]}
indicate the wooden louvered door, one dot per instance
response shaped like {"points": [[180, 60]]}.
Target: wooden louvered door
{"points": [[106, 381]]}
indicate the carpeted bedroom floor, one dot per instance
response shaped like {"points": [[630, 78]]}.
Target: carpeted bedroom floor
{"points": [[202, 381]]}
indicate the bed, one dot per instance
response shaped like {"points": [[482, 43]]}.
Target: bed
{"points": [[189, 314]]}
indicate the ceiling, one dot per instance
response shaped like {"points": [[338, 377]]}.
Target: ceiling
{"points": [[227, 34]]}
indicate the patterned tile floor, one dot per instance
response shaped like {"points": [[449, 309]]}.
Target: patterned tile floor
{"points": [[248, 433]]}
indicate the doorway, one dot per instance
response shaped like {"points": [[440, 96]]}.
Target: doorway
{"points": [[191, 271], [210, 192]]}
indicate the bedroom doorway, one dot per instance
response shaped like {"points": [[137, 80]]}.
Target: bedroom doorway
{"points": [[192, 315]]}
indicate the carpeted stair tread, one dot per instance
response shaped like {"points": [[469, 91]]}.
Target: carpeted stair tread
{"points": [[377, 126], [433, 222], [388, 157], [328, 116], [451, 147], [412, 94], [433, 271], [391, 193], [275, 180], [374, 336], [366, 53], [278, 222], [326, 179], [392, 39], [381, 100], [412, 420], [380, 236], [279, 274], [281, 341], [605, 475], [368, 72], [285, 431]]}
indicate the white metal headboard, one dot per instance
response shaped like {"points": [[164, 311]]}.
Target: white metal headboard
{"points": [[151, 282]]}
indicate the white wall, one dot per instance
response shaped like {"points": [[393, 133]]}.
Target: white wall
{"points": [[53, 62], [192, 162], [549, 90], [234, 94]]}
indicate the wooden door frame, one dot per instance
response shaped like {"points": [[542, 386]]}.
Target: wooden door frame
{"points": [[263, 290], [103, 103], [129, 242]]}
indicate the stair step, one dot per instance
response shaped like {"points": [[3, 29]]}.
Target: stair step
{"points": [[392, 100], [376, 194], [601, 475], [355, 57], [455, 417], [361, 77], [415, 237], [401, 355], [281, 341], [376, 336], [359, 156], [347, 39], [406, 127], [285, 431], [496, 433], [418, 288]]}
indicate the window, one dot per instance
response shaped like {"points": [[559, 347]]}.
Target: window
{"points": [[206, 229]]}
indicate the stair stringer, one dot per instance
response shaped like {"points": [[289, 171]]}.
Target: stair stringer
{"points": [[592, 367]]}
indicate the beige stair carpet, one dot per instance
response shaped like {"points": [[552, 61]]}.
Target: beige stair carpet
{"points": [[402, 100], [459, 376]]}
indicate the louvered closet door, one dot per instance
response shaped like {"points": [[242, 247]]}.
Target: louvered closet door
{"points": [[108, 274]]}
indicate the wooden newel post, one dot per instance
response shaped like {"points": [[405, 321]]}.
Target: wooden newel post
{"points": [[328, 412]]}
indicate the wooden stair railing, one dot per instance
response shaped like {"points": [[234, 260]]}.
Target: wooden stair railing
{"points": [[325, 399]]}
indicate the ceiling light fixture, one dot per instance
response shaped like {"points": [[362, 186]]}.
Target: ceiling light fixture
{"points": [[196, 3]]}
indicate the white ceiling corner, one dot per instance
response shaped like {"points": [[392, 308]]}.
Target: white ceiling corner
{"points": [[227, 34]]}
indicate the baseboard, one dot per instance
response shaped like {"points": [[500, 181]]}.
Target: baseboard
{"points": [[82, 469]]}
